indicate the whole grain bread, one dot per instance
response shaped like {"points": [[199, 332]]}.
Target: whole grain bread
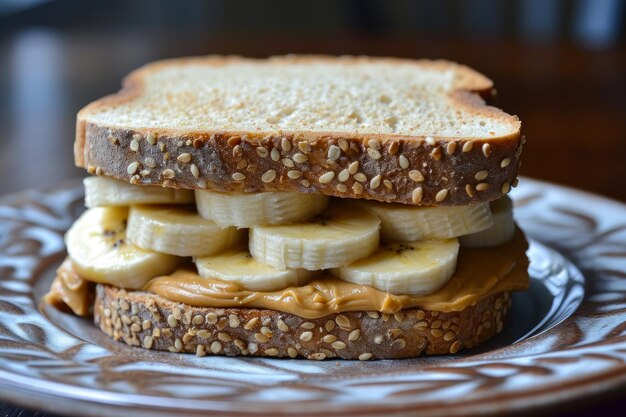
{"points": [[415, 132], [153, 322]]}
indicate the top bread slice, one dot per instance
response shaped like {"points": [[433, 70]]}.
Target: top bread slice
{"points": [[414, 132]]}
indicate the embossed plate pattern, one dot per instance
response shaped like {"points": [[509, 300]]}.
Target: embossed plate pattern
{"points": [[554, 349]]}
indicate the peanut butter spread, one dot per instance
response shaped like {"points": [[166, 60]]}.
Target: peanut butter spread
{"points": [[70, 290], [479, 273]]}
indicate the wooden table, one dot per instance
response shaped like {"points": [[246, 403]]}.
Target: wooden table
{"points": [[571, 101]]}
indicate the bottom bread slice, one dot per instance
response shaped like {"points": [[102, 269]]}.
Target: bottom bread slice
{"points": [[153, 322]]}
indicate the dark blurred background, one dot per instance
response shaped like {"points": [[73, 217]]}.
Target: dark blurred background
{"points": [[560, 65]]}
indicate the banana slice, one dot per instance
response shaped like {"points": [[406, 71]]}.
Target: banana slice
{"points": [[258, 209], [178, 230], [99, 251], [417, 268], [502, 230], [102, 191], [405, 223], [342, 234], [236, 265]]}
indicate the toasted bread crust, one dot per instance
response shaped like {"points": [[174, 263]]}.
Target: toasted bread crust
{"points": [[153, 322], [384, 167]]}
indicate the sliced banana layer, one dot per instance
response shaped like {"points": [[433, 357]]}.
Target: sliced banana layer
{"points": [[102, 191], [99, 251], [405, 267], [340, 235], [178, 230], [503, 228], [258, 209], [405, 223], [236, 265]]}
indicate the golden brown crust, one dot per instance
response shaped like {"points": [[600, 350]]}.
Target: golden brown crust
{"points": [[376, 166], [153, 322]]}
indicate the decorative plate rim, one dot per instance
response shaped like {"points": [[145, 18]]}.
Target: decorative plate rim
{"points": [[590, 240]]}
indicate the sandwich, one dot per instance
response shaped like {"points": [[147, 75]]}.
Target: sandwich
{"points": [[297, 206]]}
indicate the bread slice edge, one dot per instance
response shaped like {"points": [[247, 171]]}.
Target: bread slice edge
{"points": [[150, 321], [390, 166]]}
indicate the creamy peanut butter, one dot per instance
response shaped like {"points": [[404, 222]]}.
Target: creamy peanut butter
{"points": [[70, 290], [479, 273]]}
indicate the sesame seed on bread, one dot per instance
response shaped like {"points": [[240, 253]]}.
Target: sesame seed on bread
{"points": [[414, 132], [150, 321]]}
